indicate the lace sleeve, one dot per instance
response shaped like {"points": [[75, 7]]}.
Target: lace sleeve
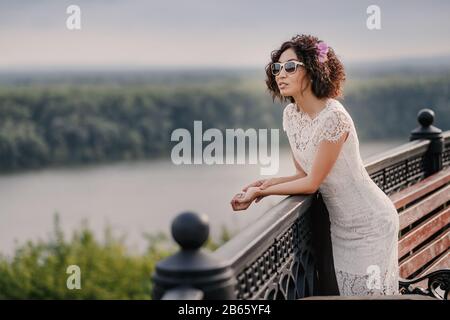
{"points": [[334, 125]]}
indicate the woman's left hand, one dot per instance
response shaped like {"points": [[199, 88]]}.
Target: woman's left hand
{"points": [[251, 194]]}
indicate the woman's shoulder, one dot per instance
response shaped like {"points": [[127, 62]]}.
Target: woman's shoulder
{"points": [[336, 118], [287, 115], [336, 108], [289, 108], [335, 104], [288, 111]]}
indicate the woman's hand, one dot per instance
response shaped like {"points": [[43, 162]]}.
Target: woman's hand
{"points": [[262, 184], [251, 194], [243, 200], [236, 205]]}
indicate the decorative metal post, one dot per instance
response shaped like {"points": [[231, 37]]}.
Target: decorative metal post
{"points": [[192, 273], [433, 156]]}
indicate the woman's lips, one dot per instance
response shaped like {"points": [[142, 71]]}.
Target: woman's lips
{"points": [[282, 85]]}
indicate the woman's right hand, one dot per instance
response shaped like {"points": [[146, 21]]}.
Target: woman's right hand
{"points": [[262, 184]]}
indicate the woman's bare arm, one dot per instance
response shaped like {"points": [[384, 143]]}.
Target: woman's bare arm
{"points": [[324, 160], [300, 174], [264, 183]]}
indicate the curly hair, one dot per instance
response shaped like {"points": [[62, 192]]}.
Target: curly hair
{"points": [[327, 77]]}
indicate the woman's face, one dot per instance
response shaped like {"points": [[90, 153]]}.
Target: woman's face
{"points": [[291, 84]]}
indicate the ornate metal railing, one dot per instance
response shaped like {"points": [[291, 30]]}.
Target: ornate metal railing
{"points": [[438, 285], [403, 166], [274, 259], [286, 254], [446, 153], [400, 167]]}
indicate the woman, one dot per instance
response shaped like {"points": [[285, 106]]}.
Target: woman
{"points": [[325, 147]]}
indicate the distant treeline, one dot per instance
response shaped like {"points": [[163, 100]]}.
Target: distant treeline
{"points": [[42, 125]]}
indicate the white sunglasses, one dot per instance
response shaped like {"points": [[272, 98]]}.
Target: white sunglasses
{"points": [[289, 67]]}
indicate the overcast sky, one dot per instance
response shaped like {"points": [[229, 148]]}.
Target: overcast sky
{"points": [[223, 33]]}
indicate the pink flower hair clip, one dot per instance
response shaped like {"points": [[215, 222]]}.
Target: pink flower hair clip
{"points": [[322, 51]]}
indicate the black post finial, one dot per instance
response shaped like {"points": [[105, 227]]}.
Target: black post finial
{"points": [[192, 269], [190, 230], [426, 130], [425, 117]]}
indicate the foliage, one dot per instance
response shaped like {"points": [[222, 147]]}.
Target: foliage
{"points": [[37, 270]]}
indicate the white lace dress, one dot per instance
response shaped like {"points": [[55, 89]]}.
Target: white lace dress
{"points": [[364, 221]]}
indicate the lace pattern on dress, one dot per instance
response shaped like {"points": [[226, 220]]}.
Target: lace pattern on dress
{"points": [[362, 217], [361, 285], [331, 122], [335, 124]]}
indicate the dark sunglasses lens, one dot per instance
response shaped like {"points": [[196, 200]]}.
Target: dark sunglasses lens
{"points": [[276, 68], [290, 66]]}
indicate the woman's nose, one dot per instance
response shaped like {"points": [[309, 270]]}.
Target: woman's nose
{"points": [[282, 73]]}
